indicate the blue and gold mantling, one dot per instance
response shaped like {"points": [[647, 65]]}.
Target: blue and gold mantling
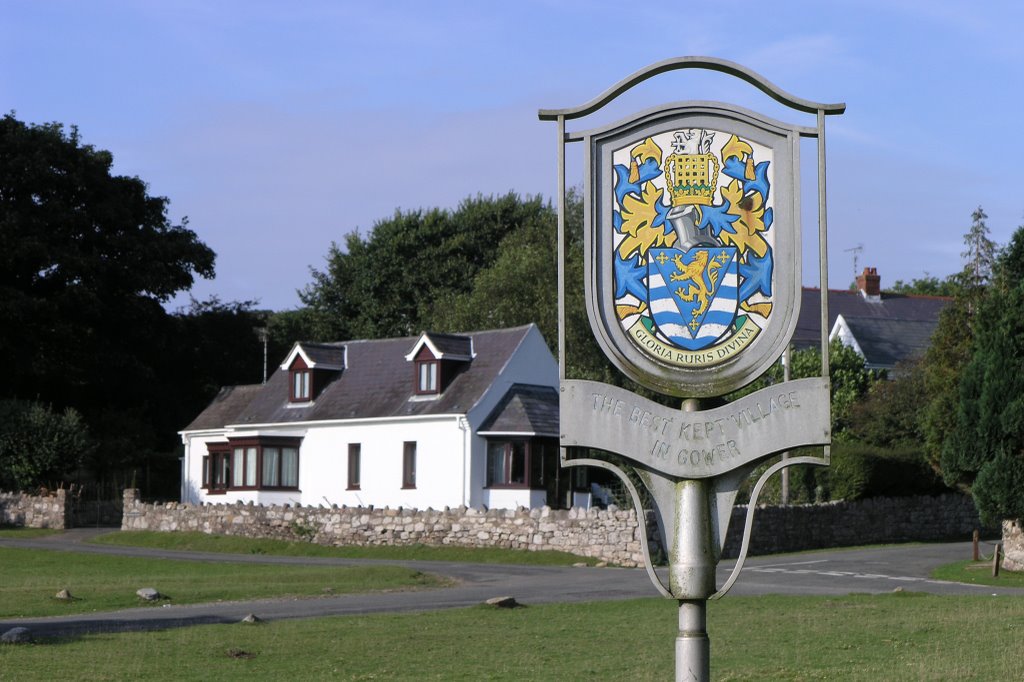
{"points": [[688, 261]]}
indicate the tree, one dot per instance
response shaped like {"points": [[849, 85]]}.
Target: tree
{"points": [[951, 345], [219, 344], [39, 446], [928, 285], [985, 450], [518, 288], [387, 283], [89, 258], [980, 253]]}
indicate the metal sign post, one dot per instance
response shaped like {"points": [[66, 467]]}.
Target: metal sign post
{"points": [[692, 270]]}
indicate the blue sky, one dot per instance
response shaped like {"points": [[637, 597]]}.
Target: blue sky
{"points": [[278, 127]]}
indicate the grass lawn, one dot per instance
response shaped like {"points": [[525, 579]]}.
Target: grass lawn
{"points": [[903, 636], [203, 542], [19, 532], [31, 579], [978, 573]]}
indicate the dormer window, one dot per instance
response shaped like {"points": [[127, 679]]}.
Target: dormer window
{"points": [[311, 367], [427, 374], [301, 385], [438, 359]]}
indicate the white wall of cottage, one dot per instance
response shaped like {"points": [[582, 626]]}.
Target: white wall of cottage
{"points": [[323, 463]]}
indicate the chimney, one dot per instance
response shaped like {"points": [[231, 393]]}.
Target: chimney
{"points": [[870, 284]]}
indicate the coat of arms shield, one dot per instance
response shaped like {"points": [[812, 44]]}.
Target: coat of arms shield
{"points": [[693, 232]]}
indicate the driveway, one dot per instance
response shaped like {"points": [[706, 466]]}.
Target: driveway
{"points": [[835, 572]]}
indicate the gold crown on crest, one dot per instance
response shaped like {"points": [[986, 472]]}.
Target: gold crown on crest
{"points": [[691, 171]]}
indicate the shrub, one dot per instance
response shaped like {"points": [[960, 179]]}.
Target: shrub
{"points": [[860, 471]]}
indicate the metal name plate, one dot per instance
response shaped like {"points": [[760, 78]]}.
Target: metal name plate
{"points": [[699, 444]]}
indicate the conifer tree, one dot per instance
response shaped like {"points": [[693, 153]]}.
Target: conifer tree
{"points": [[985, 449]]}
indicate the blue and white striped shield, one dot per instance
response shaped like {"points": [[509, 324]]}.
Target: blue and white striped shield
{"points": [[693, 295]]}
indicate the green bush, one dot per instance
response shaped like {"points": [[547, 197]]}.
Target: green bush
{"points": [[856, 472], [38, 445], [861, 471]]}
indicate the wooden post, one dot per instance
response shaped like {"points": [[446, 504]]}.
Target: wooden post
{"points": [[995, 561], [975, 538]]}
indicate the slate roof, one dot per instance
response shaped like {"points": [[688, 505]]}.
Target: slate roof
{"points": [[851, 304], [525, 409], [332, 354], [377, 382], [887, 342], [452, 344], [225, 408]]}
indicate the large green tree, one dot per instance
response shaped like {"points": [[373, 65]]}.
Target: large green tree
{"points": [[951, 343], [388, 282], [88, 259], [985, 449]]}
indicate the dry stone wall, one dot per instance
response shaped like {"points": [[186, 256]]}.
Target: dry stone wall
{"points": [[609, 535], [57, 509], [35, 511], [878, 520]]}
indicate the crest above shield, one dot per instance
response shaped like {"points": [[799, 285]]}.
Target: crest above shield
{"points": [[692, 239]]}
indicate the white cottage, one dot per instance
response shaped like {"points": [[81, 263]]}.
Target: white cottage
{"points": [[430, 421]]}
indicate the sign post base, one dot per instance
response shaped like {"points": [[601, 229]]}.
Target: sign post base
{"points": [[693, 646]]}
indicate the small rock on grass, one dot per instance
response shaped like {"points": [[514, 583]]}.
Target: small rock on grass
{"points": [[16, 636], [502, 602], [64, 595], [251, 619], [149, 594]]}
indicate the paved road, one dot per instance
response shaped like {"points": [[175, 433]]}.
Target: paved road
{"points": [[836, 572]]}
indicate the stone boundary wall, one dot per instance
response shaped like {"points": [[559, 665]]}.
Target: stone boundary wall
{"points": [[35, 511], [1013, 546], [878, 520], [609, 535], [57, 509]]}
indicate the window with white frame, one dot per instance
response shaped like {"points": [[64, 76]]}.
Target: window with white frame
{"points": [[427, 377], [302, 385]]}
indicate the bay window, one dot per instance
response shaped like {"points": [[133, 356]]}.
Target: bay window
{"points": [[521, 462], [252, 464]]}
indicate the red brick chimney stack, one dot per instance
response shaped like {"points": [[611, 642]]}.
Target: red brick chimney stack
{"points": [[869, 283]]}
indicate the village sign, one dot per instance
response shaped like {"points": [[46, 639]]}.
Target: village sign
{"points": [[692, 269]]}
